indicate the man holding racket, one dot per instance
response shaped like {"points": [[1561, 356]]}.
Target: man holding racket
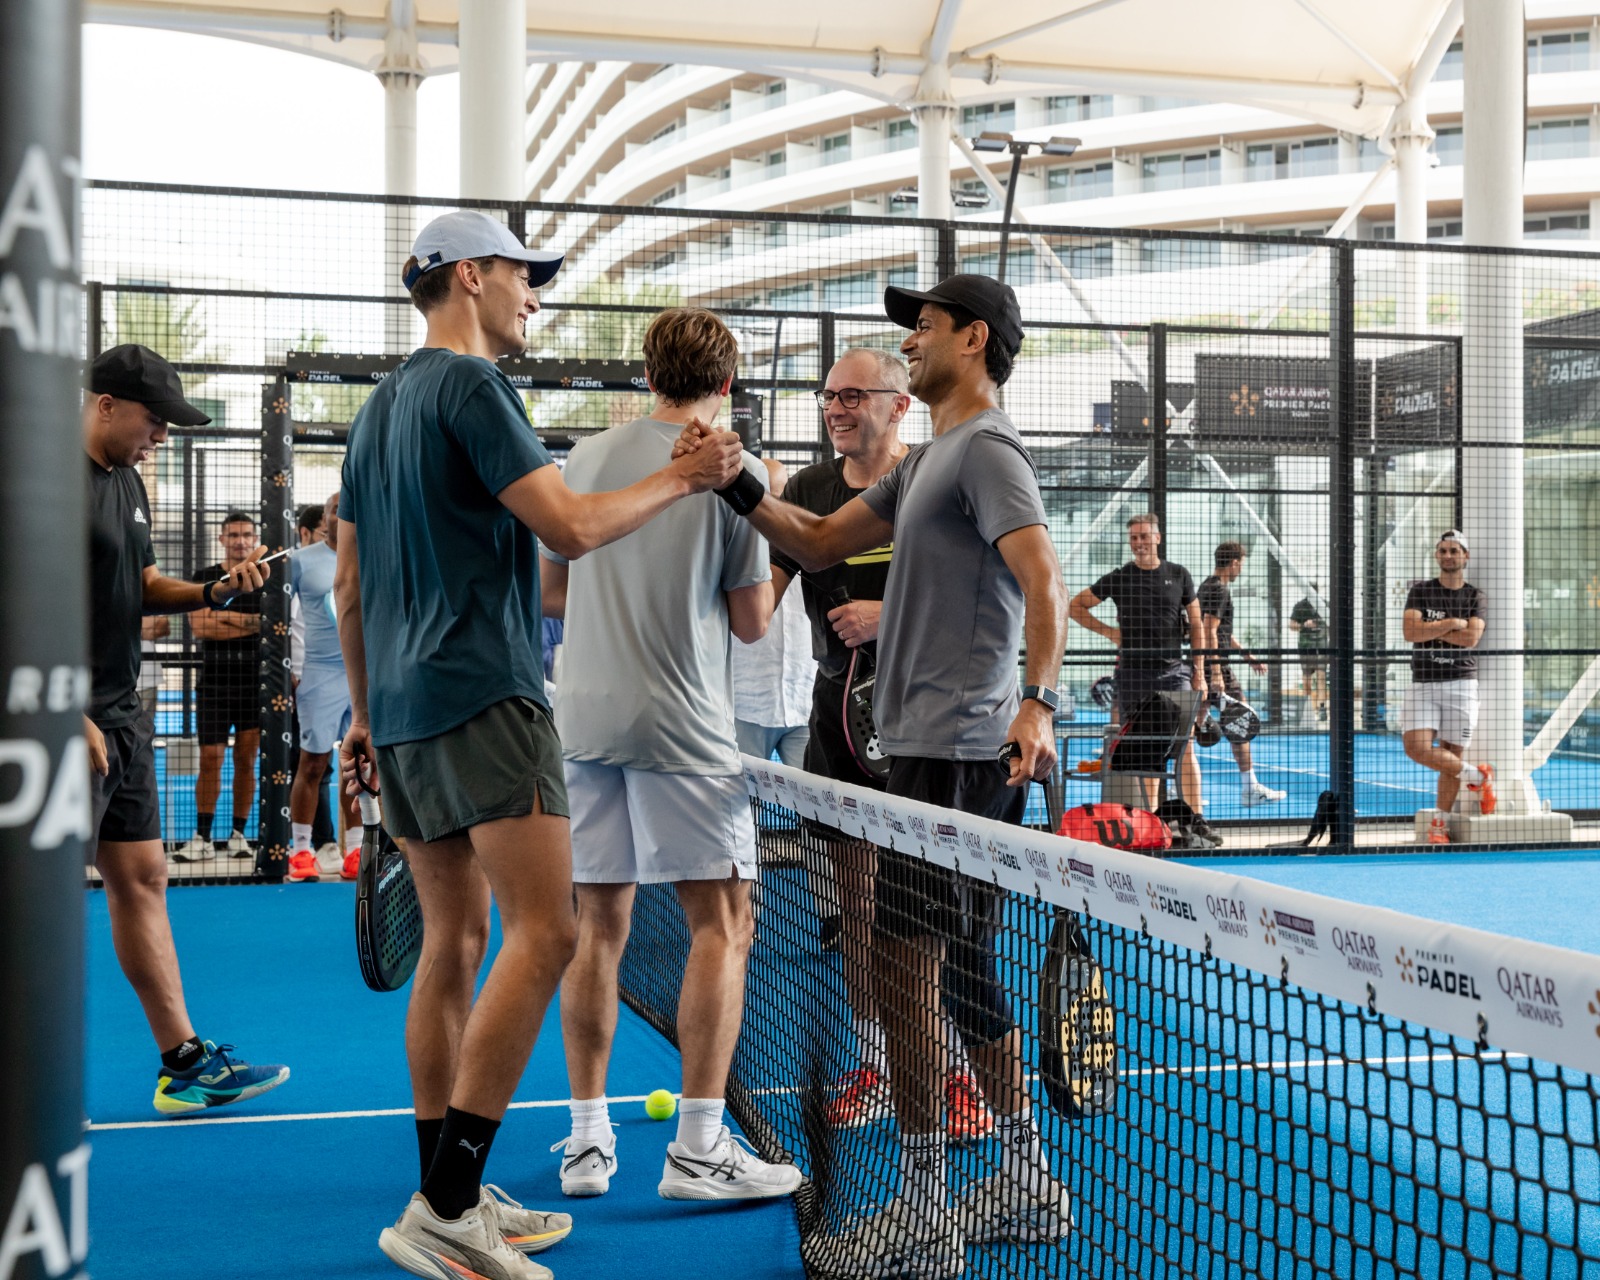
{"points": [[969, 529], [653, 770], [444, 489], [1216, 614], [133, 395]]}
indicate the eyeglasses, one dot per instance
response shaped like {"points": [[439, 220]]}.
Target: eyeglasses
{"points": [[851, 397]]}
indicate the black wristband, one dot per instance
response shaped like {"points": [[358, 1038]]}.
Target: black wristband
{"points": [[208, 594], [744, 494]]}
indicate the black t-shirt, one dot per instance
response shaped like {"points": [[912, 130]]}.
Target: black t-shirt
{"points": [[821, 489], [120, 548], [1435, 660], [1309, 637], [1216, 601], [1152, 612], [234, 661]]}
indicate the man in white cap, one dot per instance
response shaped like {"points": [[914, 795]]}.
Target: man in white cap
{"points": [[445, 493], [1444, 620]]}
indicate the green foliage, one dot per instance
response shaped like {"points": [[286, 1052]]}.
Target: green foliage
{"points": [[601, 334], [321, 401], [169, 326]]}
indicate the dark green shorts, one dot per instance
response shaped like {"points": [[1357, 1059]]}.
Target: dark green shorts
{"points": [[493, 766]]}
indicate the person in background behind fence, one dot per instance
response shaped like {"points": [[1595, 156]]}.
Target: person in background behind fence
{"points": [[133, 395], [228, 699], [1443, 621], [1216, 613], [1311, 634]]}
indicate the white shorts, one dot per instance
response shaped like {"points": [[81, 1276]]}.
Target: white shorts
{"points": [[631, 826], [1448, 707], [322, 702]]}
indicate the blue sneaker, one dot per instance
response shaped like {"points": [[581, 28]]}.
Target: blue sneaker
{"points": [[214, 1081]]}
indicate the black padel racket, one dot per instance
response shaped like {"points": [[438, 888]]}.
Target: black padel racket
{"points": [[388, 916], [1077, 1025], [859, 729]]}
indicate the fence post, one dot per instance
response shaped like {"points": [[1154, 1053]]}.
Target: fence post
{"points": [[277, 724], [44, 820], [1157, 405], [946, 256], [1342, 561]]}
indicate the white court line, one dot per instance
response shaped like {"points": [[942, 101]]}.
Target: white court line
{"points": [[177, 1122]]}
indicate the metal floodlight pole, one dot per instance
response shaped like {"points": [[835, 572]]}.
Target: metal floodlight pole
{"points": [[1018, 150]]}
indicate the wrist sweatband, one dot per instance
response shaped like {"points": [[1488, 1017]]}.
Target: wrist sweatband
{"points": [[208, 594], [743, 494]]}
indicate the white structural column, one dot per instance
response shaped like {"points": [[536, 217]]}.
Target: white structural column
{"points": [[935, 113], [1411, 134], [493, 38], [400, 73], [1492, 360]]}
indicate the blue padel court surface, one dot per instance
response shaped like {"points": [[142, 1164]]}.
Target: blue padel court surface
{"points": [[1255, 1131]]}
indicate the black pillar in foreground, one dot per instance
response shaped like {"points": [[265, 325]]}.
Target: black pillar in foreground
{"points": [[277, 719], [1341, 593], [44, 684]]}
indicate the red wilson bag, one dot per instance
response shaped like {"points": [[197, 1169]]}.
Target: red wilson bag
{"points": [[1116, 825]]}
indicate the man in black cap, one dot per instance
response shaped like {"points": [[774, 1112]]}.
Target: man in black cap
{"points": [[133, 395], [969, 530]]}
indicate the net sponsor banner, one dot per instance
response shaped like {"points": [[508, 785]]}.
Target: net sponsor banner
{"points": [[1519, 996]]}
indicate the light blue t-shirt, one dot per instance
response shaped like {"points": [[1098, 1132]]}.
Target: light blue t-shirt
{"points": [[449, 577], [311, 577]]}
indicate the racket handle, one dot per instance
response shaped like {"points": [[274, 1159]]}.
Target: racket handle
{"points": [[371, 814]]}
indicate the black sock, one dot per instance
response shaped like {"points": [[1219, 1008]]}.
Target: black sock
{"points": [[452, 1182], [427, 1144], [202, 824], [184, 1056]]}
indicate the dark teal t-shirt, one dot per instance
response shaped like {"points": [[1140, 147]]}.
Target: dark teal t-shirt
{"points": [[449, 577]]}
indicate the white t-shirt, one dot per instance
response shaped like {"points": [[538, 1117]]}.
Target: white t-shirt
{"points": [[772, 678], [646, 673]]}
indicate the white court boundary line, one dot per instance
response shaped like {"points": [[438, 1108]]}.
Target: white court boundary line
{"points": [[1205, 1069]]}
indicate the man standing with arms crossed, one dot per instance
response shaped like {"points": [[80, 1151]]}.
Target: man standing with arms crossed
{"points": [[653, 770], [1444, 620], [1156, 602], [133, 395], [1216, 612], [969, 529], [437, 591]]}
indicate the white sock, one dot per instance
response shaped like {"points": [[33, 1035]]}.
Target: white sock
{"points": [[591, 1120], [353, 836], [1021, 1151], [869, 1036], [1247, 778], [924, 1164], [699, 1123], [300, 833], [1471, 775], [955, 1051]]}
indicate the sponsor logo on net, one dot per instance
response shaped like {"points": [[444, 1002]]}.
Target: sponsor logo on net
{"points": [[1164, 898], [1038, 860], [1075, 871], [1231, 914], [891, 819], [1360, 951], [811, 796], [999, 852], [850, 805], [919, 828], [1532, 994], [871, 810], [974, 844], [1122, 887], [947, 835], [1298, 933], [1437, 971]]}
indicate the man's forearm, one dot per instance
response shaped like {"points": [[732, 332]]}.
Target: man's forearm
{"points": [[353, 644], [172, 595], [1044, 630]]}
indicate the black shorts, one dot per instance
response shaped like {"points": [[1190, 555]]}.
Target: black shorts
{"points": [[1135, 684], [125, 807], [912, 898], [1310, 665], [1230, 682], [828, 750], [225, 706]]}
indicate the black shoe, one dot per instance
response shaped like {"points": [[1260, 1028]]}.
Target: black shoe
{"points": [[831, 932], [1204, 830]]}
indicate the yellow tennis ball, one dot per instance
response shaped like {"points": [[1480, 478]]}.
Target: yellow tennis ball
{"points": [[660, 1105]]}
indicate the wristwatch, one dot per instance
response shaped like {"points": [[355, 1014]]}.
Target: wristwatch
{"points": [[1042, 693]]}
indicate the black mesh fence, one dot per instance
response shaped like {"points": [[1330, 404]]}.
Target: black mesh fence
{"points": [[1332, 407]]}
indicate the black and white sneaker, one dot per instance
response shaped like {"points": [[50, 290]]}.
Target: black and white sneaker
{"points": [[586, 1167], [731, 1170]]}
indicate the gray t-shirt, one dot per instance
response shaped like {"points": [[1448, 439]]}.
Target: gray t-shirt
{"points": [[952, 612], [646, 672]]}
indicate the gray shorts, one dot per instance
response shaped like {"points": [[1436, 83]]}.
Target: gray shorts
{"points": [[493, 766]]}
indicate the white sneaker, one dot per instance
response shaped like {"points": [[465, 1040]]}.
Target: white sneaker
{"points": [[897, 1241], [425, 1244], [196, 849], [729, 1171], [1258, 794], [527, 1230], [586, 1167], [239, 847], [1000, 1208], [329, 860]]}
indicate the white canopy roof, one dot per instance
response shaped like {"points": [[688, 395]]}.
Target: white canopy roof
{"points": [[1344, 65]]}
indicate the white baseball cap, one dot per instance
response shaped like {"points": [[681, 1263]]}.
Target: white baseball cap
{"points": [[1454, 535], [469, 233]]}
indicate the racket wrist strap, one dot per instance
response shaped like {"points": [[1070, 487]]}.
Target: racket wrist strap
{"points": [[744, 494], [208, 593]]}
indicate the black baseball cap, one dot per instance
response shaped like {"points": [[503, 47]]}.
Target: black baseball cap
{"points": [[132, 372], [984, 296]]}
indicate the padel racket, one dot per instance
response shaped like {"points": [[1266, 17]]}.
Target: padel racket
{"points": [[1238, 719], [1077, 1025], [859, 730], [388, 916]]}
